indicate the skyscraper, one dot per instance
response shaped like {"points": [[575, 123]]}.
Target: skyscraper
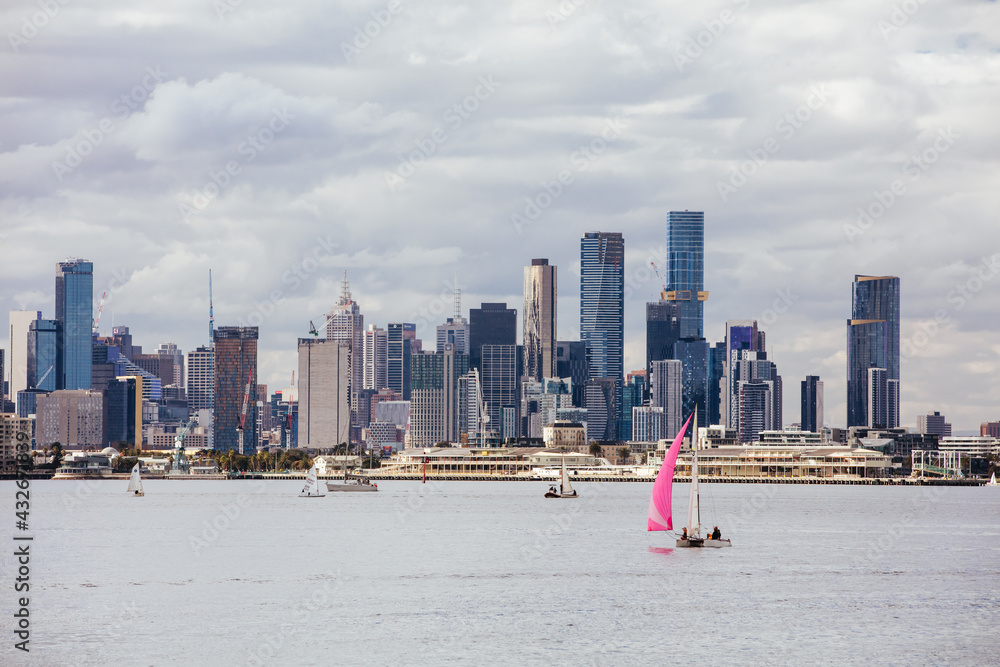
{"points": [[665, 391], [490, 324], [499, 385], [663, 329], [324, 404], [398, 352], [602, 302], [376, 358], [235, 368], [539, 317], [18, 361], [199, 379], [686, 269], [346, 324], [435, 396], [74, 311], [455, 332], [812, 404], [873, 342], [44, 361]]}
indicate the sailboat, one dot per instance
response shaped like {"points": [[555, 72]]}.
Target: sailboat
{"points": [[993, 480], [311, 489], [351, 484], [135, 482], [659, 502], [566, 489]]}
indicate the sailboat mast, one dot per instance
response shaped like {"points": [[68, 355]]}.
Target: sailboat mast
{"points": [[694, 511]]}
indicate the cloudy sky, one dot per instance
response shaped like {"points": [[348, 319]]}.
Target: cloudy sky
{"points": [[406, 142]]}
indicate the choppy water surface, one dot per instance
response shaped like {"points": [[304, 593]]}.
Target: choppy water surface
{"points": [[464, 573]]}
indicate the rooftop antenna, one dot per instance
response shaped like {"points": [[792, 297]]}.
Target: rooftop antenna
{"points": [[211, 362], [458, 299]]}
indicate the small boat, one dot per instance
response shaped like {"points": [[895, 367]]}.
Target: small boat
{"points": [[352, 484], [311, 489], [993, 480], [565, 489], [135, 482], [659, 501]]}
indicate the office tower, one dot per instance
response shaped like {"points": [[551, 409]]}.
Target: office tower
{"points": [[666, 391], [455, 332], [399, 349], [74, 311], [647, 422], [873, 342], [934, 424], [751, 389], [434, 404], [490, 324], [693, 353], [571, 362], [742, 338], [176, 356], [199, 379], [375, 358], [602, 302], [756, 404], [43, 358], [717, 365], [877, 409], [73, 418], [235, 370], [324, 402], [122, 339], [811, 419], [686, 269], [601, 396], [158, 365], [633, 394], [663, 330], [123, 412], [498, 374], [469, 407], [346, 325], [20, 320], [539, 319]]}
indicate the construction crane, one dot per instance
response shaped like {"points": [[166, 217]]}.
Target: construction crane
{"points": [[243, 412], [97, 320]]}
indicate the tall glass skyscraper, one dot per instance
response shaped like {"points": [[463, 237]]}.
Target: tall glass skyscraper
{"points": [[44, 367], [686, 269], [539, 319], [873, 342], [74, 311], [602, 299]]}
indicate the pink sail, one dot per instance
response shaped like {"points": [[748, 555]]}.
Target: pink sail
{"points": [[659, 501]]}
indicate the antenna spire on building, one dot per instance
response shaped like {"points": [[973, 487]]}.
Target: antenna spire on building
{"points": [[458, 299], [345, 291]]}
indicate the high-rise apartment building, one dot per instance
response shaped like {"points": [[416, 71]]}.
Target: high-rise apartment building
{"points": [[434, 396], [666, 392], [399, 349], [490, 324], [873, 342], [176, 357], [571, 362], [74, 311], [376, 358], [602, 302], [539, 320], [686, 269], [324, 415], [935, 424], [498, 374], [235, 370], [693, 353], [811, 419], [199, 379], [663, 330], [74, 418], [20, 320], [601, 397]]}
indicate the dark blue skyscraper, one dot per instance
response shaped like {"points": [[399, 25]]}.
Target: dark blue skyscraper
{"points": [[602, 302], [873, 342], [44, 355], [74, 311], [490, 324], [686, 269]]}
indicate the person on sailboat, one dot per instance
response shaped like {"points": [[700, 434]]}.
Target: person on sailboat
{"points": [[716, 533], [684, 533]]}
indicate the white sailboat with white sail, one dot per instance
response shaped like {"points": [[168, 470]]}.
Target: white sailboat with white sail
{"points": [[135, 482], [565, 489], [993, 480], [311, 489]]}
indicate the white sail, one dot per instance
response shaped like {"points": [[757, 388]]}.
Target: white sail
{"points": [[567, 488], [694, 515], [993, 479], [135, 481], [312, 483]]}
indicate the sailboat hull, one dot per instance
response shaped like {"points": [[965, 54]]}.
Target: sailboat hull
{"points": [[561, 495], [333, 487], [704, 543]]}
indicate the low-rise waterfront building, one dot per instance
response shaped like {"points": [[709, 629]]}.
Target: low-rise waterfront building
{"points": [[567, 435], [977, 446]]}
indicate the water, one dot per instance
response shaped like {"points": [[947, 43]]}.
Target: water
{"points": [[474, 573]]}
